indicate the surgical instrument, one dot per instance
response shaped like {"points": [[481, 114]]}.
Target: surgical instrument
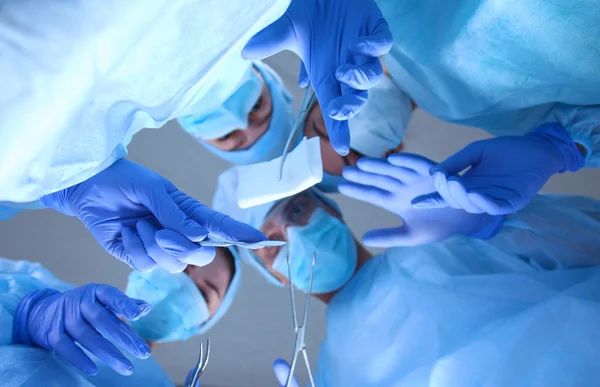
{"points": [[307, 103], [300, 330], [200, 364]]}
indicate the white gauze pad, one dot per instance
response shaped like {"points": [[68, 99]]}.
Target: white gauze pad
{"points": [[259, 183]]}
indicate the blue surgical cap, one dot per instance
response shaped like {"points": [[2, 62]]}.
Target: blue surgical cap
{"points": [[179, 311], [270, 145], [230, 115]]}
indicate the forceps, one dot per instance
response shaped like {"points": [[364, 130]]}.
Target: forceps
{"points": [[200, 364], [307, 102], [300, 330]]}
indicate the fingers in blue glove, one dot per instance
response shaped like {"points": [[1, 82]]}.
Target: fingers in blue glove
{"points": [[366, 193], [147, 233], [120, 304], [493, 206], [282, 370], [431, 200], [170, 216], [375, 180], [361, 77], [135, 252], [384, 168], [336, 109], [90, 339], [379, 43], [184, 250], [276, 37], [461, 160], [73, 354], [223, 226], [419, 164], [460, 196]]}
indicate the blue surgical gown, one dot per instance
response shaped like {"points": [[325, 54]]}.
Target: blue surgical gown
{"points": [[473, 313], [506, 66], [80, 78], [25, 366]]}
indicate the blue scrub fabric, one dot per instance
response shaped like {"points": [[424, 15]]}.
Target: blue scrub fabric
{"points": [[506, 66], [469, 313]]}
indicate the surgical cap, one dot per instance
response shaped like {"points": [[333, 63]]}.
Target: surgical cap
{"points": [[231, 115], [270, 145], [380, 126], [179, 310], [225, 201], [137, 65]]}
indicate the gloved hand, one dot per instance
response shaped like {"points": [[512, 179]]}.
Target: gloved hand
{"points": [[281, 368], [188, 379], [144, 220], [56, 321], [339, 42], [391, 184], [505, 172]]}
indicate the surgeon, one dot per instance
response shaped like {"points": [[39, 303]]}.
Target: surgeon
{"points": [[255, 122], [180, 306], [70, 108], [468, 311], [521, 70]]}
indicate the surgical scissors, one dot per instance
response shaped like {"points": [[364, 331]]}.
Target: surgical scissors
{"points": [[300, 330], [307, 102], [200, 364]]}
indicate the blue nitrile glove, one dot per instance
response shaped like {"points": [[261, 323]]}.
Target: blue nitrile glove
{"points": [[505, 172], [391, 184], [281, 368], [144, 220], [85, 315], [339, 42], [188, 379]]}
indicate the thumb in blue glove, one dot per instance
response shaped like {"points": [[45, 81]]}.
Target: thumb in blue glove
{"points": [[282, 370], [339, 43], [504, 173], [87, 316], [142, 219], [391, 184]]}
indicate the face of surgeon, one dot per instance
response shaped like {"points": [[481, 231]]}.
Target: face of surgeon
{"points": [[296, 210], [259, 119], [333, 163], [213, 279]]}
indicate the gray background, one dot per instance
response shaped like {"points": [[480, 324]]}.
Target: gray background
{"points": [[258, 328]]}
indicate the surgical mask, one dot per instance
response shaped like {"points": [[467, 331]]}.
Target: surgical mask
{"points": [[330, 182], [271, 144], [380, 126], [336, 253], [178, 307], [230, 115]]}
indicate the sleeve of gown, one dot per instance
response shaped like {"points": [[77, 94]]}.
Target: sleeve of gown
{"points": [[554, 232], [81, 77], [18, 278], [583, 123]]}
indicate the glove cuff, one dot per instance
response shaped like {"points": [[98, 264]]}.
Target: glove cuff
{"points": [[58, 201], [20, 333], [560, 138], [491, 225]]}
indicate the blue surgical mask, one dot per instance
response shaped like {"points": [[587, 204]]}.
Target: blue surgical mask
{"points": [[230, 115], [178, 307], [330, 182], [336, 253], [380, 126], [271, 144]]}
